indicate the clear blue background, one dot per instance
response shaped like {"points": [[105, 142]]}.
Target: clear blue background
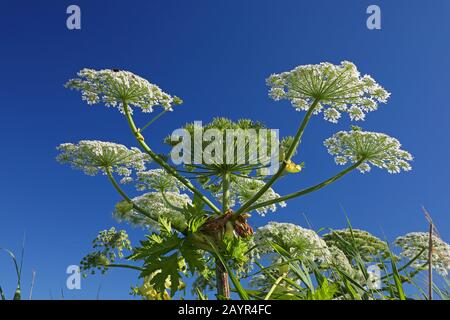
{"points": [[216, 56]]}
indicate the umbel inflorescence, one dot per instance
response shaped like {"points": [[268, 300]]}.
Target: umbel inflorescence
{"points": [[372, 148], [157, 205], [115, 87], [93, 156], [336, 88], [416, 242]]}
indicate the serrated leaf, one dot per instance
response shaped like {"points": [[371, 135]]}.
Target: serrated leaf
{"points": [[193, 257], [165, 225], [156, 246], [195, 223], [164, 268]]}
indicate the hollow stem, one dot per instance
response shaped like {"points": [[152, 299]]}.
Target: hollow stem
{"points": [[222, 277]]}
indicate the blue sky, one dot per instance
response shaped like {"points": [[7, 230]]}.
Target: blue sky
{"points": [[216, 56]]}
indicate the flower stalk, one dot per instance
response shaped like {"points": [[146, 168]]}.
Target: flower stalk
{"points": [[297, 140], [308, 190], [163, 163], [127, 198]]}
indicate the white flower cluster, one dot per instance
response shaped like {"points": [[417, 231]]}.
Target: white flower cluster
{"points": [[243, 189], [337, 88], [156, 179], [412, 243], [93, 156], [376, 149], [340, 261], [356, 242], [115, 87], [301, 242], [157, 205]]}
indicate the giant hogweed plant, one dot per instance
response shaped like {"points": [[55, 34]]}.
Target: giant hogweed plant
{"points": [[197, 213]]}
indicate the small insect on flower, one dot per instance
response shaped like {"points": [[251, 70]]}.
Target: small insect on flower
{"points": [[291, 167]]}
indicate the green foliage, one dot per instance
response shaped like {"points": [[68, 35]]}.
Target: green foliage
{"points": [[195, 214], [18, 269], [354, 242], [109, 245], [167, 257], [191, 241], [234, 279], [326, 291], [235, 250], [164, 269]]}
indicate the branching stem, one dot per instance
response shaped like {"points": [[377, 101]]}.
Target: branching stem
{"points": [[307, 190], [172, 171], [295, 144]]}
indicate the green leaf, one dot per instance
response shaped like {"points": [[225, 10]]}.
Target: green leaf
{"points": [[198, 203], [193, 257], [18, 268], [325, 292], [165, 225], [237, 285], [200, 294], [397, 278], [351, 290], [295, 267], [236, 250], [156, 246], [167, 268], [195, 223], [17, 294], [196, 209]]}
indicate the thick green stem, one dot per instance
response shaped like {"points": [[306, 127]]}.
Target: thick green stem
{"points": [[307, 190], [225, 192], [223, 285], [296, 142], [172, 171], [222, 277]]}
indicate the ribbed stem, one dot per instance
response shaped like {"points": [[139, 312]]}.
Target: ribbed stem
{"points": [[222, 277], [223, 285]]}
